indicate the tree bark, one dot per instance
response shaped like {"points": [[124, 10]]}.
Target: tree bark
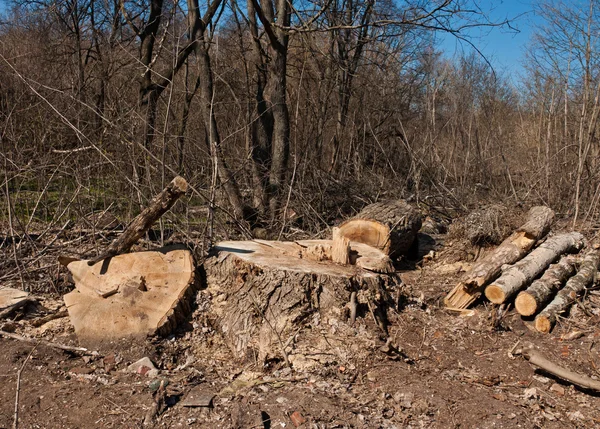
{"points": [[529, 301], [523, 272], [539, 220], [567, 296], [264, 291], [389, 226], [159, 205]]}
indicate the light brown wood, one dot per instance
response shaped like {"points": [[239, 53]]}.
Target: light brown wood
{"points": [[159, 205], [567, 296], [519, 275], [390, 226], [530, 301], [264, 290], [511, 250], [11, 300], [340, 252], [153, 293]]}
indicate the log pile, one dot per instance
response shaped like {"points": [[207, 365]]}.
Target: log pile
{"points": [[545, 279]]}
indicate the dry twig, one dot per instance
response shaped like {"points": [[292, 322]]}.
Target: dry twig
{"points": [[16, 415]]}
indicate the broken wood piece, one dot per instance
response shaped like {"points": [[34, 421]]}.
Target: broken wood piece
{"points": [[340, 249], [154, 293], [519, 275], [536, 358], [568, 295], [263, 294], [159, 205], [13, 299], [541, 291], [512, 249], [390, 226]]}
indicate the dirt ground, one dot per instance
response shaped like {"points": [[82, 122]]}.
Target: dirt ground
{"points": [[446, 370]]}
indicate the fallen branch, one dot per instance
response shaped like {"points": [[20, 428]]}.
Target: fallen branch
{"points": [[159, 205], [17, 394], [536, 358], [43, 320], [35, 342]]}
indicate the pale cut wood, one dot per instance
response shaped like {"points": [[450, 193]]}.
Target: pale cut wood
{"points": [[515, 247], [12, 299], [153, 293], [519, 275], [541, 291], [390, 226], [263, 291], [340, 252], [567, 295], [159, 205]]}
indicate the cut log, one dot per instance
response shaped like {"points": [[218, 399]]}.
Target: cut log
{"points": [[515, 247], [567, 296], [389, 226], [264, 291], [519, 275], [340, 252], [541, 291], [139, 294], [11, 300], [159, 205]]}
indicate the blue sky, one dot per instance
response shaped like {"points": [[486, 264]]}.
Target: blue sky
{"points": [[503, 48]]}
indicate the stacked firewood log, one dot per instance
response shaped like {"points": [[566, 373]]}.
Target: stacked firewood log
{"points": [[544, 280]]}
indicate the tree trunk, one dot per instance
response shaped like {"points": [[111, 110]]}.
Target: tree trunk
{"points": [[541, 291], [523, 272], [390, 226], [539, 220], [567, 296], [159, 205], [265, 291]]}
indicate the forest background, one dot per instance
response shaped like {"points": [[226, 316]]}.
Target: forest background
{"points": [[285, 116]]}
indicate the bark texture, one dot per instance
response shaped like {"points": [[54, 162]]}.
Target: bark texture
{"points": [[263, 292], [529, 301], [515, 247], [527, 269], [159, 205], [567, 296], [391, 226]]}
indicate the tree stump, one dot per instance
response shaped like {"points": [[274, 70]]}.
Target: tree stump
{"points": [[390, 226], [263, 292], [137, 294]]}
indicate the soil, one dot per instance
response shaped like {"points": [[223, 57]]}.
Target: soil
{"points": [[442, 369]]}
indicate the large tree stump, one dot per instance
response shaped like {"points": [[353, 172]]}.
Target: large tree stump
{"points": [[263, 292], [159, 205], [567, 296], [529, 301], [138, 294], [516, 277], [389, 226], [539, 220]]}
